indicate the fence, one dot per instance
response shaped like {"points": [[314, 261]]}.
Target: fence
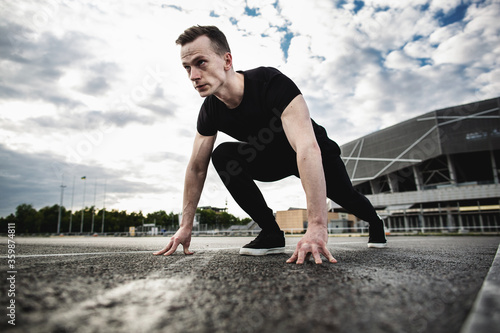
{"points": [[407, 221], [444, 221]]}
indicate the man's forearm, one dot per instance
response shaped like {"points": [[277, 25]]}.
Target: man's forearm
{"points": [[193, 186], [313, 181]]}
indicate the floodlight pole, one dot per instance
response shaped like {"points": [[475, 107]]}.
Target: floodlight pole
{"points": [[72, 199], [103, 207], [83, 204], [60, 207], [93, 207]]}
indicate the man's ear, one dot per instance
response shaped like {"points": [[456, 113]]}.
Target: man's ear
{"points": [[228, 61]]}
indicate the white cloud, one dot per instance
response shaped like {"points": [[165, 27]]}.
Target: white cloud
{"points": [[400, 60], [444, 5], [420, 48], [458, 49]]}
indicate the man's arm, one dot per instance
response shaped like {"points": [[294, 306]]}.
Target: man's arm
{"points": [[196, 174], [299, 131]]}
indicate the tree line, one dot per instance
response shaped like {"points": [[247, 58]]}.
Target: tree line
{"points": [[28, 220]]}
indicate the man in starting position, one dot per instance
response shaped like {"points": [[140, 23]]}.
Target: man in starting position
{"points": [[266, 112]]}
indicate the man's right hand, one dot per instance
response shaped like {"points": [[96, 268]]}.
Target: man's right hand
{"points": [[182, 236]]}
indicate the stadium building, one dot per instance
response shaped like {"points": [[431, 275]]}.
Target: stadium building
{"points": [[435, 172]]}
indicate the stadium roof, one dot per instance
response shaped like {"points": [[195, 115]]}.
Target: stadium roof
{"points": [[459, 129]]}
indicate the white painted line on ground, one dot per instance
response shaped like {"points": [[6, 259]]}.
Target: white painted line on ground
{"points": [[217, 248], [76, 254], [151, 251], [138, 306], [103, 253]]}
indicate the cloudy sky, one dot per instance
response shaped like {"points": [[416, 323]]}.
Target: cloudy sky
{"points": [[96, 88]]}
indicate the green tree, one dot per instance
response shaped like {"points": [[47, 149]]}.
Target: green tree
{"points": [[135, 219], [226, 220], [163, 220], [87, 220], [27, 219], [4, 222], [49, 217], [207, 216], [245, 220]]}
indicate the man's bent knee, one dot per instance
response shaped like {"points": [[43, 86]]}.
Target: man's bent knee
{"points": [[225, 162], [221, 155]]}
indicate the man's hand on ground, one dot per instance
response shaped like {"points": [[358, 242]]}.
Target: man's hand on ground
{"points": [[313, 242], [182, 236]]}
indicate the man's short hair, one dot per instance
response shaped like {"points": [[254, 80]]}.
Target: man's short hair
{"points": [[217, 37]]}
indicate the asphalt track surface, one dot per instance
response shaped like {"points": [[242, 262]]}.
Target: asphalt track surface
{"points": [[107, 284]]}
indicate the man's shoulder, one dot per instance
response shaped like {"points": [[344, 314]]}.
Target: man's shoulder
{"points": [[261, 73], [210, 102]]}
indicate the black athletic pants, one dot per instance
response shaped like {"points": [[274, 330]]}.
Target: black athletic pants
{"points": [[239, 164]]}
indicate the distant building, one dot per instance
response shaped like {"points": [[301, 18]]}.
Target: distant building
{"points": [[294, 220], [250, 228], [438, 171], [146, 229]]}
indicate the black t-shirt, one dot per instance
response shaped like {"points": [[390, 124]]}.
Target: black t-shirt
{"points": [[257, 120]]}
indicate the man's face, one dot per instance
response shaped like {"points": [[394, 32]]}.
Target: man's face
{"points": [[206, 69]]}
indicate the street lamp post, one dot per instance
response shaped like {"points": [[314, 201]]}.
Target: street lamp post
{"points": [[83, 204], [72, 198], [93, 208], [60, 208], [103, 207]]}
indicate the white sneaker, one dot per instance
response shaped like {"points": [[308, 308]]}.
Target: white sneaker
{"points": [[377, 245]]}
